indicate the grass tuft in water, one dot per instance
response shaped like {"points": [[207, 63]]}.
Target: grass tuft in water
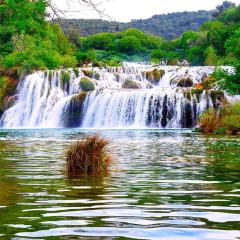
{"points": [[89, 156]]}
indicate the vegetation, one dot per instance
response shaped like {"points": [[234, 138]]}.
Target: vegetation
{"points": [[112, 48], [89, 156], [229, 80], [28, 41], [216, 43], [169, 26], [87, 85], [226, 120]]}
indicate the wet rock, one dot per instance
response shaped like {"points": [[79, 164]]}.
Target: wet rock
{"points": [[155, 75], [130, 84], [185, 82], [183, 63], [73, 115], [9, 101], [88, 73], [97, 76], [87, 85]]}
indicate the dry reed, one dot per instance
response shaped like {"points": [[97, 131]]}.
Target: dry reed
{"points": [[89, 156]]}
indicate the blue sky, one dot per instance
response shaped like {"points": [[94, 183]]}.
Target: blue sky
{"points": [[125, 10]]}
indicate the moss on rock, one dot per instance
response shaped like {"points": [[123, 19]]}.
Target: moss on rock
{"points": [[76, 72], [87, 84], [155, 75], [88, 73], [97, 76], [130, 84]]}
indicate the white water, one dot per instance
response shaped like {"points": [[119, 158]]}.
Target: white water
{"points": [[44, 103]]}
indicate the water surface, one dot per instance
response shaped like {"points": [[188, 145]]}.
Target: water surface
{"points": [[162, 185]]}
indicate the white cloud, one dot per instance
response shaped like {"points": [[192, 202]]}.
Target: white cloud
{"points": [[125, 10]]}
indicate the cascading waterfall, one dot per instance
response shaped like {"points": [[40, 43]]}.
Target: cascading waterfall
{"points": [[162, 97], [155, 108], [42, 99]]}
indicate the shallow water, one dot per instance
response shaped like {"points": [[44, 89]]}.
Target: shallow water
{"points": [[162, 185]]}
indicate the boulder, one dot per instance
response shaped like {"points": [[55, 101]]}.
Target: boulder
{"points": [[87, 85], [130, 84], [183, 63], [185, 82], [155, 75]]}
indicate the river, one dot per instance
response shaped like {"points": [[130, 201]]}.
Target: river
{"points": [[163, 184]]}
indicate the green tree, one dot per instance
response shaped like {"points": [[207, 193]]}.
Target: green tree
{"points": [[211, 57]]}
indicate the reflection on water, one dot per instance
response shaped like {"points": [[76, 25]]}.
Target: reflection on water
{"points": [[162, 185]]}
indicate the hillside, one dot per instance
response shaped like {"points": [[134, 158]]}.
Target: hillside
{"points": [[169, 26]]}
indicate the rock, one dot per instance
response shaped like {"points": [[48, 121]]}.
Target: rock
{"points": [[149, 86], [88, 73], [73, 114], [183, 63], [87, 85], [9, 101], [185, 82], [130, 84], [97, 76], [155, 75]]}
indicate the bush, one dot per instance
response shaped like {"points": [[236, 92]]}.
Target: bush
{"points": [[209, 121], [220, 130], [226, 121], [231, 117], [89, 156], [87, 84], [232, 122], [229, 81]]}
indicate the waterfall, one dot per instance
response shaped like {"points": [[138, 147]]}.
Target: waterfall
{"points": [[152, 108], [42, 98], [158, 97]]}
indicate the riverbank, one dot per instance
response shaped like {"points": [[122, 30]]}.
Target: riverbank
{"points": [[226, 120]]}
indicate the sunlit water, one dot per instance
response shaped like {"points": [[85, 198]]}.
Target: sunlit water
{"points": [[176, 185]]}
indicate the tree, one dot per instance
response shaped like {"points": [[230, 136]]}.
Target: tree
{"points": [[211, 57], [221, 8], [129, 44], [232, 46]]}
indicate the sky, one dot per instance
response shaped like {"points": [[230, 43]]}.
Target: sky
{"points": [[126, 10]]}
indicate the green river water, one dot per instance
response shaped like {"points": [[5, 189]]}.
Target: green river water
{"points": [[167, 185]]}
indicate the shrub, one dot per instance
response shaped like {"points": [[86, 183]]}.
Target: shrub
{"points": [[87, 84], [227, 80], [226, 121], [231, 116], [208, 83], [89, 156], [209, 121], [232, 122], [220, 130]]}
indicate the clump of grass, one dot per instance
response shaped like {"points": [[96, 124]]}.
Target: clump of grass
{"points": [[227, 120], [209, 121], [89, 156]]}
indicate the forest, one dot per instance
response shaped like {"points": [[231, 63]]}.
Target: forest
{"points": [[168, 26]]}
